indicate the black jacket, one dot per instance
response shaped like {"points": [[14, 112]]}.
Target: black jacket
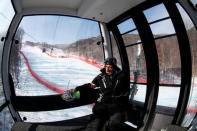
{"points": [[112, 88], [109, 89]]}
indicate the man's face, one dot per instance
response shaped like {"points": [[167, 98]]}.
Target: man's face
{"points": [[109, 69]]}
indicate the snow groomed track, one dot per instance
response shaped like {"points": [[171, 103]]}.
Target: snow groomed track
{"points": [[47, 84], [57, 74]]}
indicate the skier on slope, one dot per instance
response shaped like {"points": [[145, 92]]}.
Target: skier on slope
{"points": [[111, 90]]}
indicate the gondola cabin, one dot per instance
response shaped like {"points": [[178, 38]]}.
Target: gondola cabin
{"points": [[48, 47]]}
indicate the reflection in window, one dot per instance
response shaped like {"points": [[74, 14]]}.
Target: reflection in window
{"points": [[126, 26], [115, 50], [137, 62], [155, 13], [162, 28], [138, 73], [192, 33], [169, 60], [6, 121], [131, 38]]}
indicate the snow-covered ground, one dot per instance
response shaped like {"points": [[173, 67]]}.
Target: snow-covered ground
{"points": [[67, 73], [64, 72]]}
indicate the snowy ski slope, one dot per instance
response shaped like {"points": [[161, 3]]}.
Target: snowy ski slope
{"points": [[66, 73]]}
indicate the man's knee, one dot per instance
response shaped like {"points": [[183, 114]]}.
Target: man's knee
{"points": [[114, 125], [95, 124], [116, 121]]}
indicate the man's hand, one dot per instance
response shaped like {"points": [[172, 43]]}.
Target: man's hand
{"points": [[73, 90], [68, 95]]}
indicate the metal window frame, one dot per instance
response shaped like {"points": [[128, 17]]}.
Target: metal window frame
{"points": [[186, 62], [165, 18], [183, 45], [129, 31], [152, 65], [162, 19], [151, 59], [122, 50]]}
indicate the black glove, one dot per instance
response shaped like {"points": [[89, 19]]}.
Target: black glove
{"points": [[87, 93]]}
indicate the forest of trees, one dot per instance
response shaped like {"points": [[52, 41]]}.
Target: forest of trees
{"points": [[86, 48], [167, 48]]}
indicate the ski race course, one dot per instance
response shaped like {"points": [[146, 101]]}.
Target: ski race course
{"points": [[45, 73]]}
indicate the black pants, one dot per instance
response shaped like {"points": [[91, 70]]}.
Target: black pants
{"points": [[108, 116]]}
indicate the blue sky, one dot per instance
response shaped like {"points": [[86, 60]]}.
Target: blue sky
{"points": [[152, 14], [66, 30], [58, 29]]}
